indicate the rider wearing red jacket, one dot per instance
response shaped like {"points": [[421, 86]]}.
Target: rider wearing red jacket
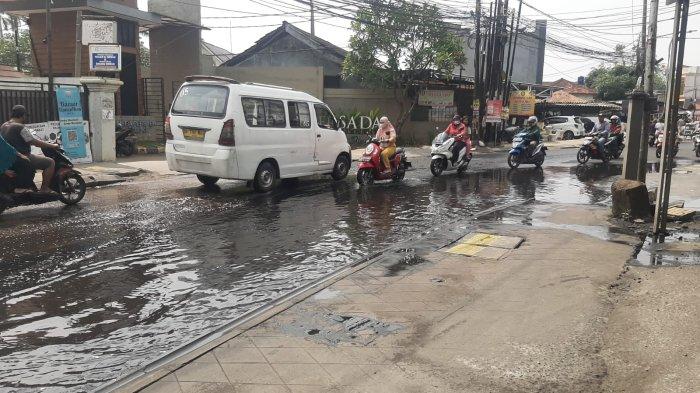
{"points": [[460, 132]]}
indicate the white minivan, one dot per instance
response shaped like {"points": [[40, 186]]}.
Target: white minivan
{"points": [[220, 128]]}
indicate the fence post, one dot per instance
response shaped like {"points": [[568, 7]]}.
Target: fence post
{"points": [[101, 107]]}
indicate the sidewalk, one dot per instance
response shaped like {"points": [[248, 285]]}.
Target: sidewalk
{"points": [[534, 319]]}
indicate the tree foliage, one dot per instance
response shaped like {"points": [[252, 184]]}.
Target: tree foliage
{"points": [[616, 82], [8, 52], [396, 43]]}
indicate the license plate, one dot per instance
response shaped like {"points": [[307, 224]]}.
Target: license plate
{"points": [[193, 135], [365, 159]]}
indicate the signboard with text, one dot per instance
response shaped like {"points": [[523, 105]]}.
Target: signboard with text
{"points": [[522, 103], [70, 116], [494, 110], [105, 58], [436, 98], [51, 132]]}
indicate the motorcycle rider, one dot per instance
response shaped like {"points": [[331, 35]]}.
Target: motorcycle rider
{"points": [[615, 132], [459, 131], [22, 139], [386, 134], [14, 165], [602, 127], [533, 130]]}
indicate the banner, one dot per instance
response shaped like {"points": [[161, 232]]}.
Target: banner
{"points": [[494, 110], [51, 132], [522, 103], [70, 116]]}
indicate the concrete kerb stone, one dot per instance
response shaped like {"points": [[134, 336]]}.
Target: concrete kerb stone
{"points": [[155, 371]]}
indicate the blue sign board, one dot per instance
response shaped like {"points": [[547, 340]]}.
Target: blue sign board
{"points": [[105, 60], [70, 116]]}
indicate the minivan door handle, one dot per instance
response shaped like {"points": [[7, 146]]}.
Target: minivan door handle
{"points": [[318, 135]]}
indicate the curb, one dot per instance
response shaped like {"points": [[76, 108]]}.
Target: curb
{"points": [[151, 150]]}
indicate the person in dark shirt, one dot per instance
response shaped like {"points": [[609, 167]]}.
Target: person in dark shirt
{"points": [[19, 137]]}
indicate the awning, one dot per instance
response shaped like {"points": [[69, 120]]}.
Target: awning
{"points": [[104, 7]]}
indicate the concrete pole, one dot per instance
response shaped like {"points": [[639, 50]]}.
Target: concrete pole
{"points": [[680, 25], [649, 72], [101, 108], [313, 27], [49, 46], [78, 44], [635, 132]]}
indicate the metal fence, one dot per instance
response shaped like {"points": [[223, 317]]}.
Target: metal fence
{"points": [[36, 97]]}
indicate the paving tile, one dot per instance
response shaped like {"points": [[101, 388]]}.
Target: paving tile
{"points": [[205, 358], [162, 387], [284, 342], [366, 355], [255, 373], [258, 388], [346, 374], [325, 389], [201, 372], [287, 355], [207, 387], [303, 374], [239, 355], [239, 342], [330, 355]]}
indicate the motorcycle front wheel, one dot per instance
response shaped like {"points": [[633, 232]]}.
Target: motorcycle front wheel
{"points": [[400, 172], [583, 156], [437, 166], [513, 160], [71, 188], [658, 152], [365, 177]]}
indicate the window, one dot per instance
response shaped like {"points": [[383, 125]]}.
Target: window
{"points": [[201, 100], [325, 118], [264, 113], [299, 115], [555, 120]]}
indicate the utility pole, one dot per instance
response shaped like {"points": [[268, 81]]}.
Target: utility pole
{"points": [[18, 57], [476, 120], [313, 28], [642, 52], [649, 72], [677, 53], [78, 43], [49, 48]]}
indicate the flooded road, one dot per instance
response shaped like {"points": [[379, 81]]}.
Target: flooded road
{"points": [[90, 293]]}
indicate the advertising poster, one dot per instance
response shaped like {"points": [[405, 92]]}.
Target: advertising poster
{"points": [[50, 132], [70, 116]]}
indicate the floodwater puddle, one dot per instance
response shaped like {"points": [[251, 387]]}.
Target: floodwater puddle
{"points": [[678, 249]]}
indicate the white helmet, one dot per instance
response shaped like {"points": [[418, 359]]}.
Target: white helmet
{"points": [[615, 118], [532, 119]]}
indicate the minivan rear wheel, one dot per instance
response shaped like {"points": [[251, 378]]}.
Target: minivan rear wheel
{"points": [[207, 180], [265, 177]]}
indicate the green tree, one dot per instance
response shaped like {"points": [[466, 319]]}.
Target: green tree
{"points": [[396, 43], [615, 83], [144, 53], [8, 51]]}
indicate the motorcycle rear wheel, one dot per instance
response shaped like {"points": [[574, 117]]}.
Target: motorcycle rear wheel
{"points": [[658, 152], [365, 177], [583, 156], [539, 161], [400, 172], [513, 161], [71, 188], [437, 166]]}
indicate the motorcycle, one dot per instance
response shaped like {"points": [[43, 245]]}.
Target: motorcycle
{"points": [[660, 143], [67, 182], [370, 167], [441, 153], [523, 152], [696, 143], [125, 141], [589, 149]]}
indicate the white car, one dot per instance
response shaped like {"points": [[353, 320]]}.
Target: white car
{"points": [[220, 128], [565, 127]]}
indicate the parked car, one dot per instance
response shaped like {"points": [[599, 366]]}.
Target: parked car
{"points": [[220, 128], [565, 127], [588, 123]]}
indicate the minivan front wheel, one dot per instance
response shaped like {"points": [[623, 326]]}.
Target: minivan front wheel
{"points": [[265, 177], [341, 167]]}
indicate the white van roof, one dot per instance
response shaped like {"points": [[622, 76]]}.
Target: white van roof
{"points": [[254, 89]]}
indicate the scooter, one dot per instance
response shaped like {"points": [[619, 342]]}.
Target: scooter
{"points": [[525, 153], [370, 167], [696, 143], [589, 149], [125, 141], [66, 182], [660, 144], [441, 153]]}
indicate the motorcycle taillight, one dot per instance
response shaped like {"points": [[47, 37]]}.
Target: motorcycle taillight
{"points": [[166, 129], [227, 137]]}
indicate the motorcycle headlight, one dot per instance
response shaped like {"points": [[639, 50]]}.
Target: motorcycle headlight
{"points": [[369, 149]]}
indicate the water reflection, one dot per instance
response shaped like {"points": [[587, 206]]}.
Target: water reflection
{"points": [[101, 292]]}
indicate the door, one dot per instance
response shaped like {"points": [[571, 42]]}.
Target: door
{"points": [[326, 137], [304, 135]]}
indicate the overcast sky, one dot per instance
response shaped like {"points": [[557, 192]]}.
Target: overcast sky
{"points": [[595, 24]]}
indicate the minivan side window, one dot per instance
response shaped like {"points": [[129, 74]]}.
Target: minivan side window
{"points": [[264, 113], [325, 118], [299, 115]]}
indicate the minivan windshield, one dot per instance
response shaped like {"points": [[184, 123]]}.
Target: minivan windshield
{"points": [[201, 100]]}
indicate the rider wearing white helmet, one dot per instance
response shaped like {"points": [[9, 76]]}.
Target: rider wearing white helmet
{"points": [[533, 129]]}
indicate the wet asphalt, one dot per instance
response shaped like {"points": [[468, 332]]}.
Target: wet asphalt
{"points": [[92, 292]]}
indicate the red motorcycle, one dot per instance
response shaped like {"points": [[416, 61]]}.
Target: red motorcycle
{"points": [[371, 167]]}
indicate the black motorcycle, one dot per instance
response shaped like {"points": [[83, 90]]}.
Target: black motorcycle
{"points": [[126, 141], [66, 182]]}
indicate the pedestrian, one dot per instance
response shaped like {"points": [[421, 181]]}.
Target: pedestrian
{"points": [[20, 138]]}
